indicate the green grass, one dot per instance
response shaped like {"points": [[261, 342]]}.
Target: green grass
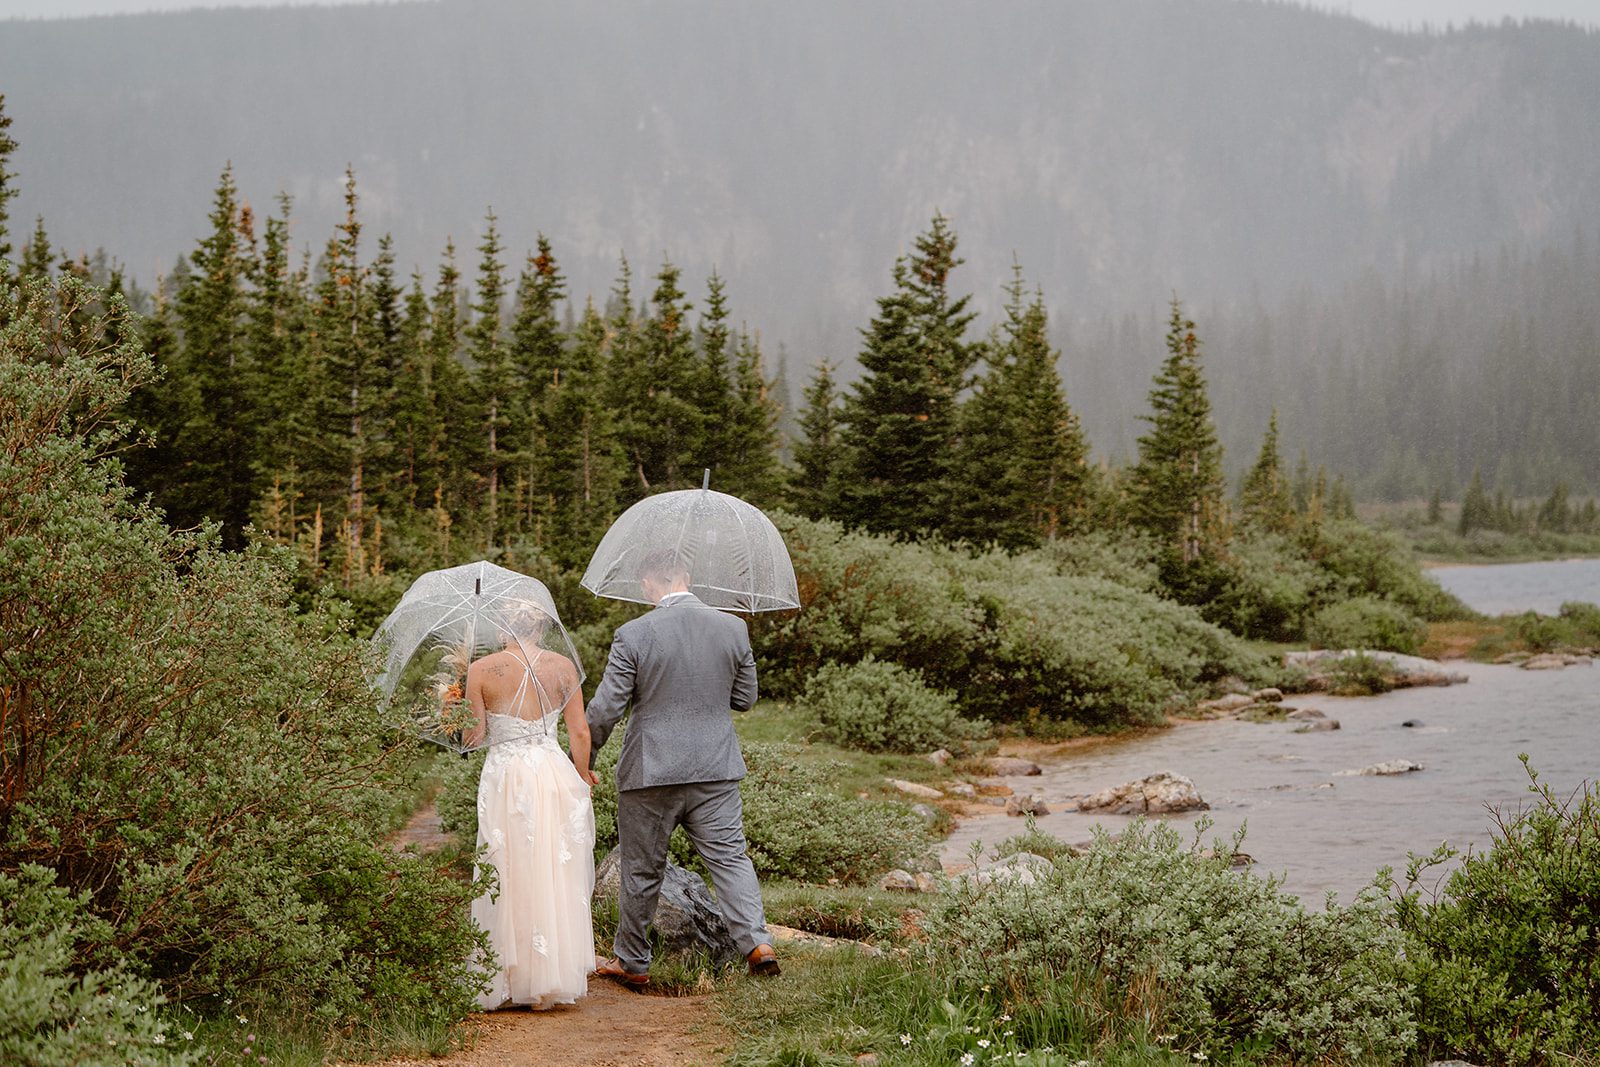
{"points": [[857, 772], [853, 912]]}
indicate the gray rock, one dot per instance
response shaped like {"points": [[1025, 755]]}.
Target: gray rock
{"points": [[1402, 670], [930, 814], [1388, 767], [915, 789], [1157, 794], [1027, 804], [1270, 695], [939, 757], [927, 883], [1012, 767], [687, 918], [898, 881], [1023, 868], [961, 789], [1317, 726], [1305, 714], [1230, 703], [995, 786]]}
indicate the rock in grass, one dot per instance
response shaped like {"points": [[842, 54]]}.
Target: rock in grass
{"points": [[899, 881], [1027, 804], [1012, 767], [939, 757], [927, 792], [687, 918]]}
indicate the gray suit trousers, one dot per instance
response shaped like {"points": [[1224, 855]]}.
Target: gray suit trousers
{"points": [[712, 814]]}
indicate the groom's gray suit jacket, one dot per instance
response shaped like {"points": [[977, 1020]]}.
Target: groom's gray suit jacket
{"points": [[681, 666]]}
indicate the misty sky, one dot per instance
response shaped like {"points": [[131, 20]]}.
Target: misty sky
{"points": [[1397, 13]]}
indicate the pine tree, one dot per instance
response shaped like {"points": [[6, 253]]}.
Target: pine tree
{"points": [[900, 417], [581, 464], [1022, 455], [750, 464], [1175, 490], [818, 454], [36, 253], [215, 443], [486, 348], [1477, 512], [1264, 498], [348, 386], [662, 426], [457, 442], [1436, 507], [8, 190], [538, 351]]}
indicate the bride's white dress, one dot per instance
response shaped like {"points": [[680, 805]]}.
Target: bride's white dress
{"points": [[537, 822]]}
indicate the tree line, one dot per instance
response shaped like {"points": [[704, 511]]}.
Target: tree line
{"points": [[380, 424]]}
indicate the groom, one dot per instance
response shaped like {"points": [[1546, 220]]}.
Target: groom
{"points": [[681, 666]]}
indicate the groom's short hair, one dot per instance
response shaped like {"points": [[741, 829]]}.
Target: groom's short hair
{"points": [[662, 567]]}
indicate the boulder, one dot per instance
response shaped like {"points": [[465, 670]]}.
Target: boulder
{"points": [[1230, 703], [939, 757], [1305, 714], [1402, 670], [1269, 695], [961, 789], [898, 881], [927, 883], [1554, 661], [927, 813], [915, 789], [1388, 767], [1412, 724], [1023, 868], [1317, 726], [1027, 804], [1158, 794], [1264, 713], [1012, 767], [994, 787], [687, 918]]}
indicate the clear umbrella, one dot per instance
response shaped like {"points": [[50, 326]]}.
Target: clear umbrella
{"points": [[735, 557], [450, 618]]}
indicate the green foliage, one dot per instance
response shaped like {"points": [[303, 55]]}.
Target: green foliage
{"points": [[53, 1014], [800, 825], [1143, 926], [1265, 588], [1361, 560], [1367, 623], [879, 706], [182, 741], [1013, 637], [1175, 491], [1506, 959], [1576, 627], [1360, 675], [818, 454], [901, 416]]}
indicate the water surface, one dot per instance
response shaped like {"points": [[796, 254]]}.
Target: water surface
{"points": [[1324, 831], [1498, 588]]}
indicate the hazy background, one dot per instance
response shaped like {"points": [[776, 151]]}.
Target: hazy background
{"points": [[1387, 235]]}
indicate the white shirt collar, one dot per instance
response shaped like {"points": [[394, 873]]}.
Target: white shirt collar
{"points": [[674, 598]]}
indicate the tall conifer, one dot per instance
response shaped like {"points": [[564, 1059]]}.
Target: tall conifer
{"points": [[8, 189], [900, 417], [818, 454], [491, 362], [1175, 491], [1265, 501]]}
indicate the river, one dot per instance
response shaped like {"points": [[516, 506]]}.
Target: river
{"points": [[1322, 830]]}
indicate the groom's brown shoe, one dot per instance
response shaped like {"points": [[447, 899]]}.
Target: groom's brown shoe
{"points": [[763, 961], [613, 970]]}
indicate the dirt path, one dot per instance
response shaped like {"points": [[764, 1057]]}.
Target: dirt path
{"points": [[611, 1027]]}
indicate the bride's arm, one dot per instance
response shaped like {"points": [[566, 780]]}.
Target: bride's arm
{"points": [[578, 735]]}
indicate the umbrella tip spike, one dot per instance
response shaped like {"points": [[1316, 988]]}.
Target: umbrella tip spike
{"points": [[705, 479]]}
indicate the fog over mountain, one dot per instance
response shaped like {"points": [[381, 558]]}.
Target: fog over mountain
{"points": [[1234, 153]]}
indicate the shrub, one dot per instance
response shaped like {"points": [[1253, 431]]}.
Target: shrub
{"points": [[801, 825], [1367, 623], [1363, 561], [882, 707], [1144, 927], [51, 1016], [1264, 589], [1507, 959], [181, 740]]}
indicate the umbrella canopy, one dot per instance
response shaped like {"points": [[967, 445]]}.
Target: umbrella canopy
{"points": [[735, 557], [450, 618]]}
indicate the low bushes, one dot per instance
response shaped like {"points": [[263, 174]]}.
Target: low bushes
{"points": [[1040, 636], [878, 706], [1507, 959], [1367, 623], [1144, 927]]}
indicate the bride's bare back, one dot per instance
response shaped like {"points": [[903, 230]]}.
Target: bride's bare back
{"points": [[524, 687]]}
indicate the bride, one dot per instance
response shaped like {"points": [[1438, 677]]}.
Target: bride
{"points": [[535, 819]]}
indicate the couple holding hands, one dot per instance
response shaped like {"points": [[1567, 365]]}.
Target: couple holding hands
{"points": [[680, 668]]}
